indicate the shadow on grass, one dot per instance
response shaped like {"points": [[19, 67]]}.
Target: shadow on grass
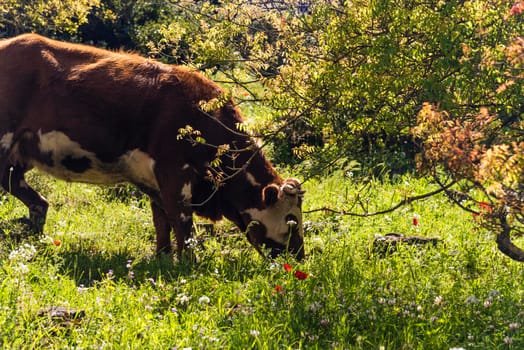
{"points": [[86, 268], [17, 230], [87, 265]]}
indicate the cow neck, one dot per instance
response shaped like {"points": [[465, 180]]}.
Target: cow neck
{"points": [[262, 171], [244, 190]]}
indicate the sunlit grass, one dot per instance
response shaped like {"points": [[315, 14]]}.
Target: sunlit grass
{"points": [[97, 257]]}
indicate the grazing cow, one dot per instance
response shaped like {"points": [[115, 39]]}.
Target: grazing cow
{"points": [[89, 115]]}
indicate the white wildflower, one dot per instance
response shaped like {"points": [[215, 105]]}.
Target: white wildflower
{"points": [[274, 266], [24, 253], [254, 333], [21, 269], [182, 299], [472, 300], [438, 300], [315, 306], [514, 326], [81, 288], [204, 300], [324, 322], [191, 242]]}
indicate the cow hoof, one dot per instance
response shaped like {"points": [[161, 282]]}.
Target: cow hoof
{"points": [[28, 225], [36, 229], [18, 229], [188, 256], [163, 255]]}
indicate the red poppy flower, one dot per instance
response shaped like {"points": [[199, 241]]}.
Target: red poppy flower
{"points": [[300, 275], [57, 242], [415, 221], [517, 9], [279, 289], [485, 206]]}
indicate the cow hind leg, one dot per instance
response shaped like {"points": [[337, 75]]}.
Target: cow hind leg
{"points": [[13, 181]]}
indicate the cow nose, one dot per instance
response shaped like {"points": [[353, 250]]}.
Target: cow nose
{"points": [[275, 252], [298, 255]]}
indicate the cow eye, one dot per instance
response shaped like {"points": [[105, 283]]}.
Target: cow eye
{"points": [[291, 220]]}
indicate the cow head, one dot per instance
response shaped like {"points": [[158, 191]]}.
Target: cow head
{"points": [[278, 224]]}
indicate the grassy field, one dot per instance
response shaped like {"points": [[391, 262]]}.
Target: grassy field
{"points": [[93, 281]]}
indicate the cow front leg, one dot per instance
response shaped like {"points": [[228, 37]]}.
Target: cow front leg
{"points": [[13, 181], [162, 228], [180, 218], [181, 224], [176, 196], [183, 236]]}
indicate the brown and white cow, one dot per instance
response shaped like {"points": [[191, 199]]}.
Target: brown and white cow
{"points": [[89, 115]]}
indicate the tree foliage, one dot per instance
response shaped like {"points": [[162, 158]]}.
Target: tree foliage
{"points": [[129, 24], [484, 152], [49, 17], [345, 80]]}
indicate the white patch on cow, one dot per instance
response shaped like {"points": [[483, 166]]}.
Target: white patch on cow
{"points": [[134, 166], [184, 217], [251, 179], [186, 166], [59, 144], [141, 168], [274, 219], [6, 141], [186, 192]]}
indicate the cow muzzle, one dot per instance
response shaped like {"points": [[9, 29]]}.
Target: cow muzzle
{"points": [[297, 254], [256, 235], [294, 246]]}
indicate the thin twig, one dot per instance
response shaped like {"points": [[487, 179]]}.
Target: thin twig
{"points": [[385, 211]]}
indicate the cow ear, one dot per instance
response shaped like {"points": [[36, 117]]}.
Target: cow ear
{"points": [[270, 194]]}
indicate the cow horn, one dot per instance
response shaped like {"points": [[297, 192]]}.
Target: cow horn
{"points": [[292, 187]]}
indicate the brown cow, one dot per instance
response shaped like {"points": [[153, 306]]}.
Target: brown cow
{"points": [[89, 115]]}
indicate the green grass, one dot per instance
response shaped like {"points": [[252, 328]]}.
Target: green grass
{"points": [[461, 294]]}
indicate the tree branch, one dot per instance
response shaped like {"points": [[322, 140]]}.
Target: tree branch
{"points": [[385, 211]]}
